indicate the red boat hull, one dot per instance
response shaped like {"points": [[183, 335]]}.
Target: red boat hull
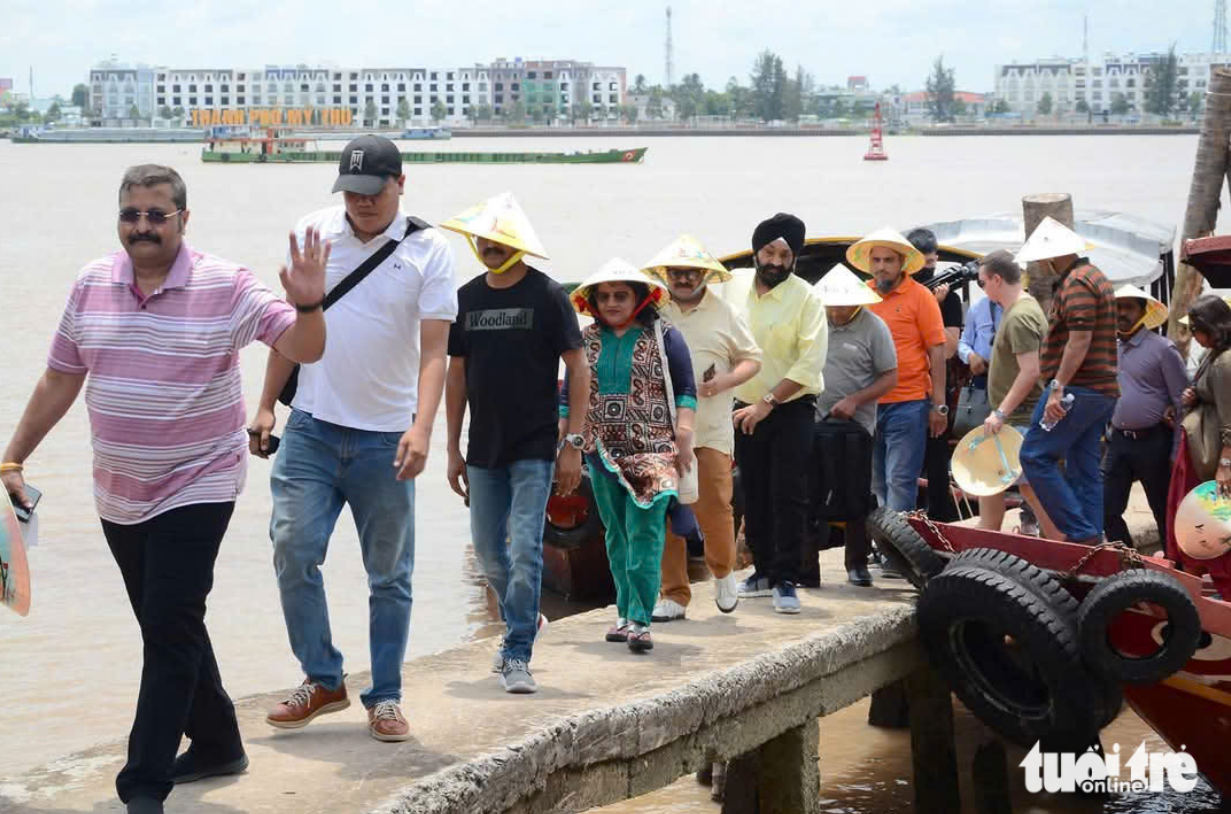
{"points": [[1191, 710]]}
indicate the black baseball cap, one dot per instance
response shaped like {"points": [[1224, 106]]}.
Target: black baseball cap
{"points": [[367, 163]]}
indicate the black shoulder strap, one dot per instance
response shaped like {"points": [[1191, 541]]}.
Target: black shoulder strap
{"points": [[353, 279]]}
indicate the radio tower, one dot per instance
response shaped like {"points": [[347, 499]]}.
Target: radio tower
{"points": [[1220, 27], [669, 49]]}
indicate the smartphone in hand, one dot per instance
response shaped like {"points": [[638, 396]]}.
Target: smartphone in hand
{"points": [[32, 495]]}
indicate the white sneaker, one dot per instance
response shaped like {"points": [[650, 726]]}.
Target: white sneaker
{"points": [[498, 659], [726, 593], [667, 610]]}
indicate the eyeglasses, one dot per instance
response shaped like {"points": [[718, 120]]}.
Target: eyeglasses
{"points": [[683, 274], [156, 217]]}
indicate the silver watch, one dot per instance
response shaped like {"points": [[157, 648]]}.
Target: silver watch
{"points": [[942, 409], [575, 440], [1224, 462]]}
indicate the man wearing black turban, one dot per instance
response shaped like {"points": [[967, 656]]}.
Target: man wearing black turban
{"points": [[774, 418]]}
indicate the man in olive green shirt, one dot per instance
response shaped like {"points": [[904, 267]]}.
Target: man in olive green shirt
{"points": [[1013, 386]]}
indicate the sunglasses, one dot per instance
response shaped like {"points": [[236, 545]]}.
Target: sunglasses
{"points": [[156, 217], [683, 274]]}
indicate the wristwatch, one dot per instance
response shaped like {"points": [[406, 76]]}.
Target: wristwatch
{"points": [[1224, 462], [769, 399], [1056, 385], [942, 409], [575, 440], [997, 412]]}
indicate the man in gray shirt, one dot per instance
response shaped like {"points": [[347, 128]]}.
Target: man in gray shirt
{"points": [[1142, 435], [861, 365]]}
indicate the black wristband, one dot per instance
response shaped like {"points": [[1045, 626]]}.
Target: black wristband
{"points": [[307, 309]]}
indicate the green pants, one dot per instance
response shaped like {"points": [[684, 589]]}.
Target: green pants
{"points": [[634, 547]]}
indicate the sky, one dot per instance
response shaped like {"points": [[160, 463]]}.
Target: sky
{"points": [[889, 41]]}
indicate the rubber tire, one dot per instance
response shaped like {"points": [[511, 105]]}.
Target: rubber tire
{"points": [[1116, 593], [965, 615], [581, 534], [905, 549], [1047, 588]]}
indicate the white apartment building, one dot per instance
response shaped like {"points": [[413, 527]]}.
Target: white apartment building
{"points": [[1097, 82], [391, 95]]}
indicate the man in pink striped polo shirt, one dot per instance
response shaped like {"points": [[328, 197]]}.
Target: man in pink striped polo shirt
{"points": [[154, 332]]}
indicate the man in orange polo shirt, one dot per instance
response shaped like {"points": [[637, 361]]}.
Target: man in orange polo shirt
{"points": [[915, 408]]}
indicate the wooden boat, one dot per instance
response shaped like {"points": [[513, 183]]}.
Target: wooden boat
{"points": [[273, 149], [1135, 647]]}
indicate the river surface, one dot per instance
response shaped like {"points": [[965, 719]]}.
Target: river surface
{"points": [[69, 672]]}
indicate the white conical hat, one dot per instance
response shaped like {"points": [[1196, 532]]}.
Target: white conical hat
{"points": [[617, 270], [1051, 238], [499, 219], [840, 286], [1156, 312], [986, 465], [858, 255], [686, 252]]}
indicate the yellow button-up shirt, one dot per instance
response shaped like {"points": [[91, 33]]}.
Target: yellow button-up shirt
{"points": [[789, 324], [717, 337]]}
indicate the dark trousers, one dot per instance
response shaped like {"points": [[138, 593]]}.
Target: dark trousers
{"points": [[936, 469], [168, 567], [1147, 458], [773, 464]]}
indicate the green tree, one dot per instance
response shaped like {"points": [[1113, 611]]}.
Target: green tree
{"points": [[369, 113], [799, 94], [1045, 104], [1119, 104], [134, 113], [1082, 106], [739, 98], [81, 95], [583, 110], [1001, 106], [717, 103], [164, 112], [518, 114], [629, 112], [482, 113], [1162, 85], [769, 87], [1196, 103], [639, 84], [177, 112], [53, 113], [959, 107], [689, 96], [438, 111], [654, 107], [838, 109], [940, 89], [403, 111]]}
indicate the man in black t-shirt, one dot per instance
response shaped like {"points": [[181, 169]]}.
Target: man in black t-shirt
{"points": [[936, 459], [513, 326]]}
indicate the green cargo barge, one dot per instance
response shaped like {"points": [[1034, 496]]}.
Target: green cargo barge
{"points": [[296, 151]]}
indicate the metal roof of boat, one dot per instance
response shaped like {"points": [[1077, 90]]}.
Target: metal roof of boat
{"points": [[1128, 249]]}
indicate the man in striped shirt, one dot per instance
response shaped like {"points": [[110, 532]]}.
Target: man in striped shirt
{"points": [[154, 332], [1078, 361]]}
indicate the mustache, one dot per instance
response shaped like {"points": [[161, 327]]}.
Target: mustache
{"points": [[144, 238], [493, 250]]}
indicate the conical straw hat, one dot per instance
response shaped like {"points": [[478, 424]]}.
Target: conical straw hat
{"points": [[686, 252], [499, 219], [1156, 312], [858, 255], [986, 465], [1051, 238], [840, 286], [1203, 523], [617, 270]]}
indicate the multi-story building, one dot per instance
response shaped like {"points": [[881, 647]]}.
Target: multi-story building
{"points": [[1098, 83], [373, 97]]}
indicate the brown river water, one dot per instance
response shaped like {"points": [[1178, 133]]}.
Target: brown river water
{"points": [[69, 672]]}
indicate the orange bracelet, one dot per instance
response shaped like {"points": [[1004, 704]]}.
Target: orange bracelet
{"points": [[11, 467]]}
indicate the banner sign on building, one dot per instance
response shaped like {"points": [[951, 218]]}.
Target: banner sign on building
{"points": [[273, 117]]}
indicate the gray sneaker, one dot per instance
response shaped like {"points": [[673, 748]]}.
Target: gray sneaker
{"points": [[785, 600], [755, 585], [498, 659], [516, 677]]}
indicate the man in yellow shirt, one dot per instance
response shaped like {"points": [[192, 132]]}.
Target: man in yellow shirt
{"points": [[724, 356], [773, 422]]}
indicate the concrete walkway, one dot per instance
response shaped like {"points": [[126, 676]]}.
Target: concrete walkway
{"points": [[601, 728]]}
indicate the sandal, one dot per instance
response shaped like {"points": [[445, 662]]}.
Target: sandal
{"points": [[639, 640], [619, 631]]}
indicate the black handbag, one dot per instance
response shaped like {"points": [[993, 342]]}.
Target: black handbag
{"points": [[973, 408], [841, 470], [351, 280]]}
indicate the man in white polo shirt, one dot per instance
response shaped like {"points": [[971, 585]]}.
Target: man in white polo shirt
{"points": [[358, 433]]}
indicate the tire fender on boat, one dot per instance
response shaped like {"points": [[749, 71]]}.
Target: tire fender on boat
{"points": [[574, 536], [1012, 657], [1120, 592], [905, 549]]}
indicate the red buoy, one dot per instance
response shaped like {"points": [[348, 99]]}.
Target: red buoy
{"points": [[876, 150]]}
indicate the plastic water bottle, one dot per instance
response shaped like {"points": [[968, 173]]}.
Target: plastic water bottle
{"points": [[1066, 403]]}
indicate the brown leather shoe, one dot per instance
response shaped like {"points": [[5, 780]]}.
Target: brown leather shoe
{"points": [[307, 701], [386, 722]]}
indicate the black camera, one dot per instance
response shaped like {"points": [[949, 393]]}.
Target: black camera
{"points": [[958, 275]]}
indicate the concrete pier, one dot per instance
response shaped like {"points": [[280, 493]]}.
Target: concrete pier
{"points": [[605, 726]]}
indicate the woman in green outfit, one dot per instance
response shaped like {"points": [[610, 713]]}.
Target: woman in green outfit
{"points": [[638, 432]]}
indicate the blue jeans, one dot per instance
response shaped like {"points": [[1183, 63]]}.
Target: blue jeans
{"points": [[319, 467], [508, 508], [1074, 499], [897, 452]]}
